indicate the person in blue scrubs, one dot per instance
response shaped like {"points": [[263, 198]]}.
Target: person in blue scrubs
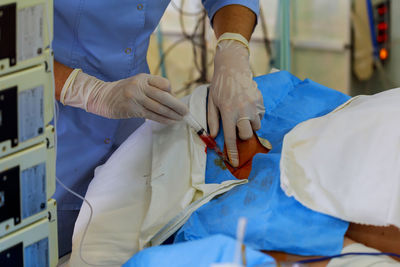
{"points": [[103, 81]]}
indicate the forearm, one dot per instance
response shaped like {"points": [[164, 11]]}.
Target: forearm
{"points": [[235, 19], [383, 238], [141, 96], [61, 74], [286, 257]]}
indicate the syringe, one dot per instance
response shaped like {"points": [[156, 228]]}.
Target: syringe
{"points": [[205, 136]]}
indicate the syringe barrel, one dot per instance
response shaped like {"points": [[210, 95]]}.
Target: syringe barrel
{"points": [[191, 121]]}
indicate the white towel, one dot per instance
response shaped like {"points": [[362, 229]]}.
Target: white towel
{"points": [[347, 163], [146, 190]]}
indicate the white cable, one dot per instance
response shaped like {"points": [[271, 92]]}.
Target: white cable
{"points": [[56, 112], [87, 224]]}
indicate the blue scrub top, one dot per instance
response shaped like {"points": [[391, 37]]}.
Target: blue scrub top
{"points": [[109, 40]]}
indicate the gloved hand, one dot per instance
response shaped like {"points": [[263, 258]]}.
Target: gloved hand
{"points": [[143, 95], [233, 94]]}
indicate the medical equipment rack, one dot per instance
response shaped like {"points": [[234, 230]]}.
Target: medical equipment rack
{"points": [[28, 214]]}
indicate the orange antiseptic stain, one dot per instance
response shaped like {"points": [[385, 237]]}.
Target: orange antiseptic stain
{"points": [[247, 150], [220, 163]]}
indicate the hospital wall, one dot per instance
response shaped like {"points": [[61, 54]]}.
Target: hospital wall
{"points": [[320, 46]]}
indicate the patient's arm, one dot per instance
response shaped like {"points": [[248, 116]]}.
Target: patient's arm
{"points": [[385, 239], [282, 257], [367, 235]]}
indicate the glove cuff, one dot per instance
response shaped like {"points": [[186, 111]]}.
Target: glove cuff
{"points": [[68, 84], [234, 36]]}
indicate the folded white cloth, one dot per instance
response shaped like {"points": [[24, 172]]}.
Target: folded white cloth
{"points": [[145, 191], [347, 163], [362, 261]]}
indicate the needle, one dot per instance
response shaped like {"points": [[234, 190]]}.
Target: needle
{"points": [[205, 137]]}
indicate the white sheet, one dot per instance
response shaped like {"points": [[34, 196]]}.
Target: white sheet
{"points": [[146, 190], [362, 261], [347, 163]]}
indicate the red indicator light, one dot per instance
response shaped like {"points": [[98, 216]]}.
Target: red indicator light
{"points": [[382, 10], [383, 54], [382, 26], [382, 38]]}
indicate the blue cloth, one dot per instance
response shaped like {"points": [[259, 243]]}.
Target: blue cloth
{"points": [[108, 40], [204, 252], [275, 221]]}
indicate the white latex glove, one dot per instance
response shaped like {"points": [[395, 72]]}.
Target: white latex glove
{"points": [[234, 96], [143, 95]]}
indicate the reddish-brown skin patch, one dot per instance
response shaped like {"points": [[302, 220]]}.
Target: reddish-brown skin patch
{"points": [[247, 150]]}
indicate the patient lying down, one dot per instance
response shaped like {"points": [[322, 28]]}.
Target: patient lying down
{"points": [[384, 239], [139, 200]]}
